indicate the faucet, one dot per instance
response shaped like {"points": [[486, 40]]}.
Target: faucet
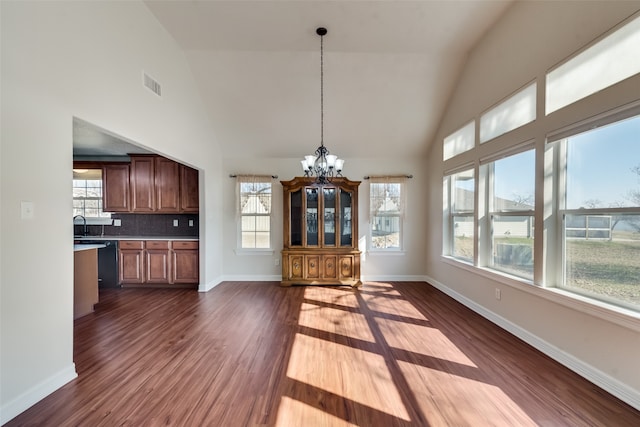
{"points": [[84, 224]]}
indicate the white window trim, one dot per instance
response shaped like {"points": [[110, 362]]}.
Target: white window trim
{"points": [[401, 216], [239, 250]]}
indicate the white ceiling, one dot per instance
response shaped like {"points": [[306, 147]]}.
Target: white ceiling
{"points": [[389, 68]]}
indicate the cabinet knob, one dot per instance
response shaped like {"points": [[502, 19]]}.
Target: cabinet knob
{"points": [[313, 264]]}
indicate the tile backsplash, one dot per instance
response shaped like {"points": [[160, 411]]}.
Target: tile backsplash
{"points": [[152, 225]]}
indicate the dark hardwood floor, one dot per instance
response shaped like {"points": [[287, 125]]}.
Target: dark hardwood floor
{"points": [[253, 353]]}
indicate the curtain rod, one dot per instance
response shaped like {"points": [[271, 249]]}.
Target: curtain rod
{"points": [[388, 176], [257, 176]]}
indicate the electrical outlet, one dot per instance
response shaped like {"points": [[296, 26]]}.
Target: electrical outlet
{"points": [[277, 261], [26, 210], [190, 223], [175, 222], [498, 294], [117, 222]]}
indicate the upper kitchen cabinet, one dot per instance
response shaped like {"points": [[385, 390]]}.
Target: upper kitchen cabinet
{"points": [[150, 184], [115, 182], [167, 184], [189, 192], [143, 198]]}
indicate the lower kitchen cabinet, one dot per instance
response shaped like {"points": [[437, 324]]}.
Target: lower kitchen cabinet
{"points": [[131, 262], [158, 261], [161, 263], [185, 262]]}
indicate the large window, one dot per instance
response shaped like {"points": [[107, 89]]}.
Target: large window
{"points": [[516, 111], [387, 210], [255, 212], [600, 211], [460, 141], [87, 193], [511, 182], [612, 59], [461, 211]]}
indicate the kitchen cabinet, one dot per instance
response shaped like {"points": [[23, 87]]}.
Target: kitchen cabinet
{"points": [[131, 265], [150, 184], [142, 184], [161, 263], [167, 185], [157, 261], [115, 187], [185, 262], [320, 233], [189, 192]]}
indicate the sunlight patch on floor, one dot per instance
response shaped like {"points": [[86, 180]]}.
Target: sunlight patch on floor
{"points": [[339, 369], [421, 340], [343, 297], [437, 391], [394, 306], [295, 413], [335, 321], [380, 288]]}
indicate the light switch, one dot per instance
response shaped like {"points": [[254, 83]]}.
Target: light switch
{"points": [[26, 209], [175, 222], [190, 223]]}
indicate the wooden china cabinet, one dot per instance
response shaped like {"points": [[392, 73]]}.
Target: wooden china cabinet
{"points": [[320, 241]]}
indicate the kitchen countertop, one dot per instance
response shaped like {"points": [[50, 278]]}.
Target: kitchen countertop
{"points": [[104, 238], [85, 247]]}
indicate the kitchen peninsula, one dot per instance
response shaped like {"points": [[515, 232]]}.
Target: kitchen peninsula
{"points": [[85, 278]]}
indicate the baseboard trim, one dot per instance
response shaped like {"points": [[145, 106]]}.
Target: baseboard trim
{"points": [[253, 278], [206, 287], [606, 382], [36, 393], [393, 278]]}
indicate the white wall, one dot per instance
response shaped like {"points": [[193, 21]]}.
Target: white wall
{"points": [[531, 38], [407, 265], [82, 59]]}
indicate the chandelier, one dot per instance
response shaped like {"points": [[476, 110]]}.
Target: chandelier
{"points": [[321, 164]]}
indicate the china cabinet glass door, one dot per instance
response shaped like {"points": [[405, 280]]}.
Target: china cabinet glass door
{"points": [[345, 218], [312, 216], [329, 216], [296, 218]]}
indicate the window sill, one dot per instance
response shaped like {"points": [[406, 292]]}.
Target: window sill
{"points": [[385, 252], [612, 313], [263, 252]]}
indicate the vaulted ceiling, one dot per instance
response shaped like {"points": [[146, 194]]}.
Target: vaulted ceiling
{"points": [[389, 68]]}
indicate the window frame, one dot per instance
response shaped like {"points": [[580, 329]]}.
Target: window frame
{"points": [[401, 181], [451, 212], [240, 180], [102, 215], [486, 236], [557, 142]]}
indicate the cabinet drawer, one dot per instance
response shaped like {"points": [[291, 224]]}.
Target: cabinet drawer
{"points": [[181, 244], [157, 244], [131, 244]]}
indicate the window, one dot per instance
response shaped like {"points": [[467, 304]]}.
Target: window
{"points": [[460, 208], [510, 114], [600, 212], [255, 212], [460, 141], [611, 60], [87, 193], [387, 210], [511, 182]]}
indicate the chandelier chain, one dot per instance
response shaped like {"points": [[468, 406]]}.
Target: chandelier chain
{"points": [[321, 90]]}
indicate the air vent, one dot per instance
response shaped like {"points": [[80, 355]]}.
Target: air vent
{"points": [[152, 84]]}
